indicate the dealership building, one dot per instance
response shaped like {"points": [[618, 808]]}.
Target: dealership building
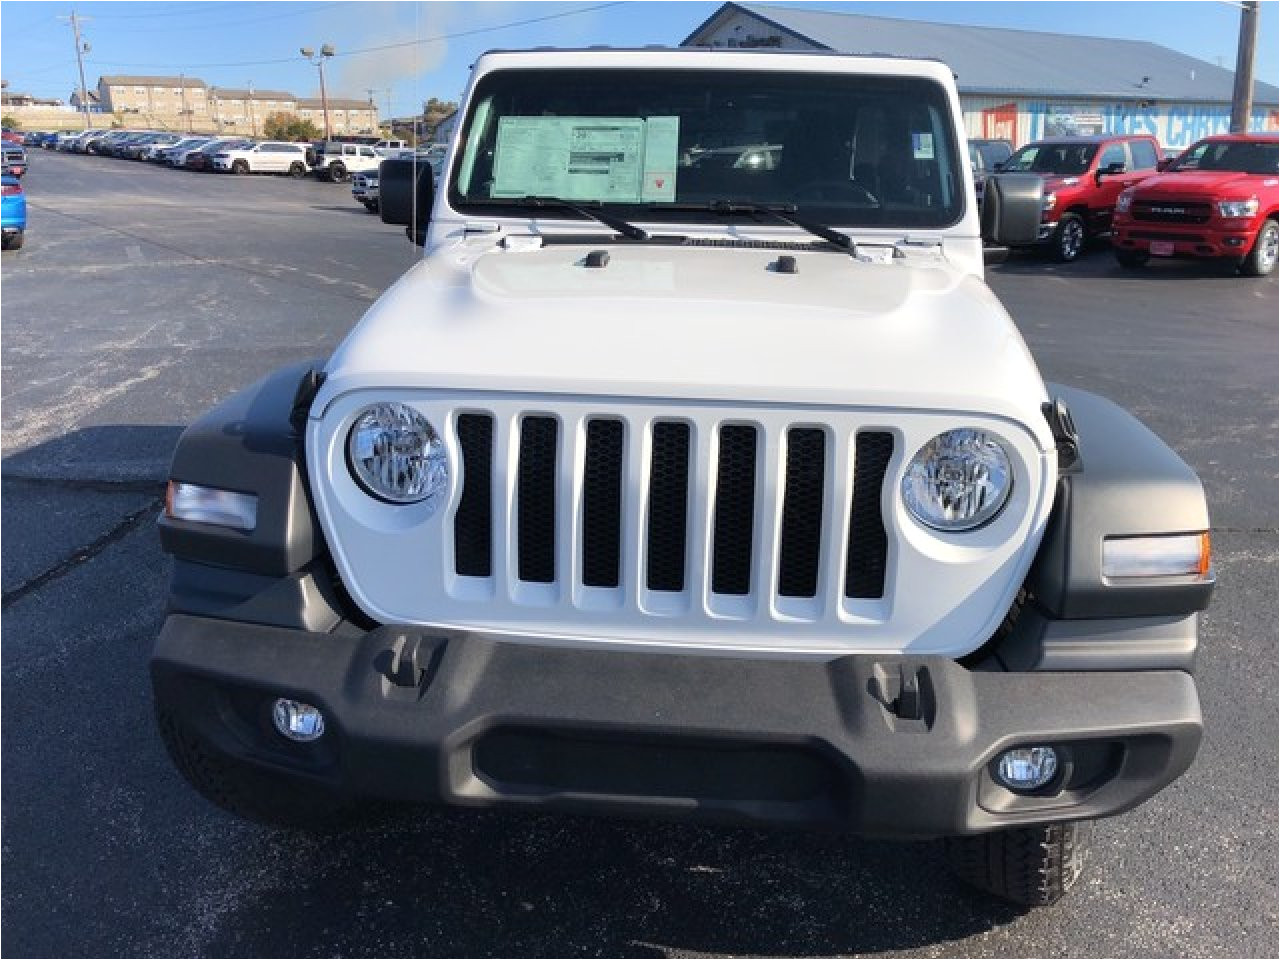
{"points": [[1020, 85]]}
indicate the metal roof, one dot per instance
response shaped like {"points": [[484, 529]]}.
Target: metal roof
{"points": [[1002, 61], [122, 81], [232, 93]]}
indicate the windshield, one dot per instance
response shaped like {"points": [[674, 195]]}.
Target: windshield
{"points": [[851, 150], [1242, 156], [1068, 159]]}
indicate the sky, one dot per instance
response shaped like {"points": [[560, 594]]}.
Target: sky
{"points": [[427, 48]]}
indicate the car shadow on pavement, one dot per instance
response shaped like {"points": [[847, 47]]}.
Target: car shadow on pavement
{"points": [[1099, 262], [462, 883], [353, 208]]}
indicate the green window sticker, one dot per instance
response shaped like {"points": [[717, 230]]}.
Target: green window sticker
{"points": [[922, 146], [611, 159]]}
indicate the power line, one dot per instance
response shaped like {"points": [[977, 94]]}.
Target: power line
{"points": [[295, 11], [363, 50]]}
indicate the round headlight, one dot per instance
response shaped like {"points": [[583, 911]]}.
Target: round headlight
{"points": [[959, 480], [396, 455]]}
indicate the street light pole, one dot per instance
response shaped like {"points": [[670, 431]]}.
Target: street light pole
{"points": [[325, 51], [253, 118]]}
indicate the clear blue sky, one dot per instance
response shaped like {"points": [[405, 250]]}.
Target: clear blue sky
{"points": [[233, 44]]}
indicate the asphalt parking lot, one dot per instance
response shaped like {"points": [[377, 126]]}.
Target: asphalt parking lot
{"points": [[145, 295]]}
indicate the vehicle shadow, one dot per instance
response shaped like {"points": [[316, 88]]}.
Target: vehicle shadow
{"points": [[1099, 262], [353, 208], [463, 883]]}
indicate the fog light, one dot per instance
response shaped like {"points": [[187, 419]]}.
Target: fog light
{"points": [[1027, 768], [297, 721]]}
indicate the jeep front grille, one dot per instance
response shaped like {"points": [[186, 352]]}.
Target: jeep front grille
{"points": [[589, 467]]}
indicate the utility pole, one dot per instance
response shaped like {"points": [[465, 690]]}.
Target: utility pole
{"points": [[373, 107], [1242, 94], [182, 92], [390, 125], [253, 119], [81, 49]]}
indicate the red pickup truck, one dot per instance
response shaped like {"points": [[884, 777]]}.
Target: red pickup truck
{"points": [[1218, 199], [1082, 178]]}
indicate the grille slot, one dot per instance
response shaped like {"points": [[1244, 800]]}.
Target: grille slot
{"points": [[473, 523], [1172, 212], [668, 506], [868, 542], [735, 511], [801, 540], [536, 500], [602, 504]]}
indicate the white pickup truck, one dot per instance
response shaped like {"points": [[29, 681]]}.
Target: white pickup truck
{"points": [[674, 483]]}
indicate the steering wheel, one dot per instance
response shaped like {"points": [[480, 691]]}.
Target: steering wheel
{"points": [[835, 191]]}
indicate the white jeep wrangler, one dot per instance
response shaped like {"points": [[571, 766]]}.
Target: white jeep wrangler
{"points": [[673, 483]]}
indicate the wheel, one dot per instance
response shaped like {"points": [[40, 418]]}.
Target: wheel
{"points": [[1069, 239], [244, 790], [13, 241], [239, 167], [337, 173], [1032, 866], [1131, 259], [1261, 260], [297, 170]]}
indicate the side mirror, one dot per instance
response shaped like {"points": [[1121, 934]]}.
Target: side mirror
{"points": [[406, 190], [998, 166], [1108, 170], [1011, 207], [1163, 163]]}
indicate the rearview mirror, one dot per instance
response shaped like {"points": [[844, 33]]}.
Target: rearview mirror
{"points": [[1011, 208], [406, 190]]}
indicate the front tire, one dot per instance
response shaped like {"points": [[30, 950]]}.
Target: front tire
{"points": [[1261, 260], [13, 241], [1030, 866], [245, 790], [1069, 239], [1131, 259], [297, 171], [337, 173], [239, 168]]}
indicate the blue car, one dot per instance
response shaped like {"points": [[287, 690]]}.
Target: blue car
{"points": [[13, 213]]}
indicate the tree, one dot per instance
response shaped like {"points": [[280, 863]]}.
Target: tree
{"points": [[435, 110], [287, 126], [10, 122]]}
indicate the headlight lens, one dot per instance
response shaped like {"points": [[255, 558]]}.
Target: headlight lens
{"points": [[1124, 202], [957, 481], [1238, 208], [1049, 201], [396, 455]]}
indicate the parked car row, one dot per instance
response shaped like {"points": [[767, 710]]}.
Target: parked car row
{"points": [[364, 186], [1216, 199], [328, 160]]}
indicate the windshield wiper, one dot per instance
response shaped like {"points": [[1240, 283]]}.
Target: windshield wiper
{"points": [[591, 211], [786, 212]]}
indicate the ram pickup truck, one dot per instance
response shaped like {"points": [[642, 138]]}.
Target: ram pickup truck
{"points": [[726, 493], [1082, 178], [1218, 199]]}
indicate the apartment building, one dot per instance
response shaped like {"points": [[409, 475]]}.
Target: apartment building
{"points": [[188, 103], [155, 96], [345, 115]]}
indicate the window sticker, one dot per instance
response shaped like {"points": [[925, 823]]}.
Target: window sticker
{"points": [[612, 159], [922, 146]]}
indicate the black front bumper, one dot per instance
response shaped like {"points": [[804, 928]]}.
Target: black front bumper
{"points": [[474, 720]]}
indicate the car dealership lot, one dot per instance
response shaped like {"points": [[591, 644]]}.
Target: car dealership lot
{"points": [[144, 295]]}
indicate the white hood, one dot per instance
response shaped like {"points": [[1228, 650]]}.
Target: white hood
{"points": [[697, 323]]}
